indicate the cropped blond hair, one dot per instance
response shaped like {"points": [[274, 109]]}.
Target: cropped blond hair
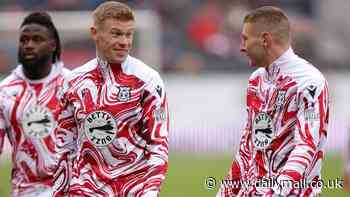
{"points": [[270, 19], [114, 10]]}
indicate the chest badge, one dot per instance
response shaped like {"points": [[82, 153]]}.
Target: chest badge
{"points": [[263, 131], [280, 98], [100, 128], [38, 122], [124, 94]]}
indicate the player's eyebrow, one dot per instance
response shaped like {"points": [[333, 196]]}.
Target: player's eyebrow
{"points": [[120, 30]]}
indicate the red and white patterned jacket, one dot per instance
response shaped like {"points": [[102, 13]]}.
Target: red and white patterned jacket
{"points": [[283, 142], [117, 119], [28, 117]]}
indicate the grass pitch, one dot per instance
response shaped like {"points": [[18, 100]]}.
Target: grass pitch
{"points": [[187, 174]]}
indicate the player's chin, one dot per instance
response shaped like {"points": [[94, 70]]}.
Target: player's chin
{"points": [[119, 59], [30, 63], [251, 63]]}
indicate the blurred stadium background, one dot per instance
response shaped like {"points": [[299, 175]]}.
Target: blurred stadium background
{"points": [[195, 45]]}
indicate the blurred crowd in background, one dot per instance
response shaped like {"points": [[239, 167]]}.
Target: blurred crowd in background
{"points": [[204, 35]]}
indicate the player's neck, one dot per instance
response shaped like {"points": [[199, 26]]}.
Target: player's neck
{"points": [[102, 60], [275, 53]]}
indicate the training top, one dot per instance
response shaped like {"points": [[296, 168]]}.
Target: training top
{"points": [[28, 117], [282, 145], [117, 117]]}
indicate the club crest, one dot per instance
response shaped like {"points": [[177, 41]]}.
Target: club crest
{"points": [[124, 93], [280, 98]]}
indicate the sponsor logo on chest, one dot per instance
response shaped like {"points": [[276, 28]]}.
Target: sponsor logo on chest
{"points": [[38, 122], [263, 131], [100, 128]]}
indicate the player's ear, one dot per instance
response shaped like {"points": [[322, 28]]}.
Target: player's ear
{"points": [[53, 45], [93, 32], [266, 39]]}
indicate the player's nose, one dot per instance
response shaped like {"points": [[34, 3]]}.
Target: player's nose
{"points": [[242, 48]]}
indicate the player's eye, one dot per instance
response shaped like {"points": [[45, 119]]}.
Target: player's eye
{"points": [[117, 34], [38, 39], [23, 40], [129, 34]]}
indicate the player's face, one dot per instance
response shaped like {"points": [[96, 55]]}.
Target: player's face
{"points": [[113, 39], [36, 46], [252, 45]]}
